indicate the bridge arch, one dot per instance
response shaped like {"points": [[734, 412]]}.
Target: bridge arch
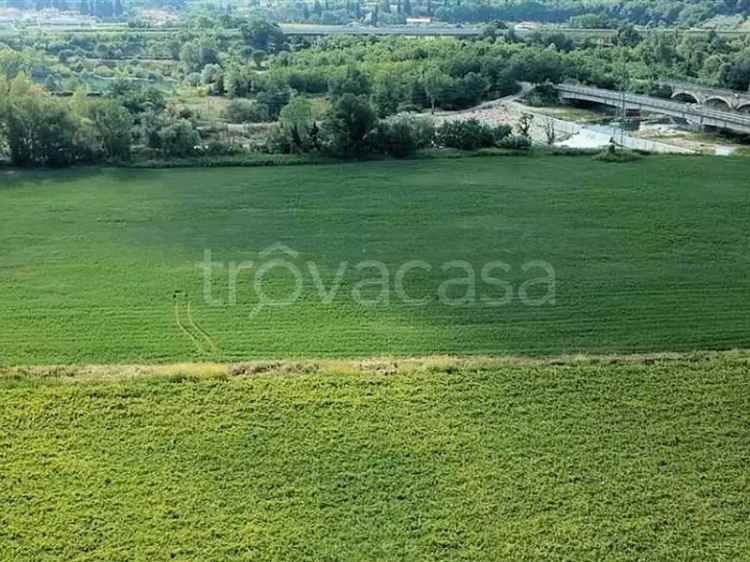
{"points": [[717, 102], [744, 107], [686, 97]]}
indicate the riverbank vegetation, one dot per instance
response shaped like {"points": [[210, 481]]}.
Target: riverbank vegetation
{"points": [[208, 89]]}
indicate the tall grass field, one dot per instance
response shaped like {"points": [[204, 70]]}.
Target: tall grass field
{"points": [[109, 265], [468, 462]]}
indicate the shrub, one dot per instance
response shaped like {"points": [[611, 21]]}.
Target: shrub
{"points": [[312, 82], [424, 131], [516, 142], [278, 141], [216, 148], [465, 135], [244, 111], [184, 112], [619, 156], [354, 81], [657, 90], [396, 138], [296, 119], [178, 139], [501, 132], [193, 79], [274, 98], [408, 107], [543, 95]]}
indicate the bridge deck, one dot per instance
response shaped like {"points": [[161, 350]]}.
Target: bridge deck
{"points": [[693, 113]]}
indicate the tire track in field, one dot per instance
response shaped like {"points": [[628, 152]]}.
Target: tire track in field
{"points": [[188, 326], [197, 327]]}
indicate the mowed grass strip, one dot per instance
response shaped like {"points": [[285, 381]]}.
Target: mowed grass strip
{"points": [[571, 462], [100, 265]]}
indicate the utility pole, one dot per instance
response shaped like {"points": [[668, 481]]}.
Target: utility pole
{"points": [[624, 86]]}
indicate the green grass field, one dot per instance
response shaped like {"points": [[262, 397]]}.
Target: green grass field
{"points": [[474, 462], [101, 265]]}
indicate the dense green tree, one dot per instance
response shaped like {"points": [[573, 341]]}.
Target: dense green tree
{"points": [[468, 134], [38, 130], [263, 36], [194, 55], [245, 111], [395, 138], [736, 75], [354, 81], [178, 139], [136, 98], [113, 125], [348, 124], [275, 95], [389, 92], [258, 58], [628, 36], [296, 119], [438, 86], [538, 66]]}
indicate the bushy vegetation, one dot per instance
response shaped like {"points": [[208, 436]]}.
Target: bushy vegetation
{"points": [[396, 138], [617, 156], [41, 130], [591, 14], [162, 80], [471, 134], [245, 111]]}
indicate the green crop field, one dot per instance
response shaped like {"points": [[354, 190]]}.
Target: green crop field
{"points": [[474, 462], [102, 265]]}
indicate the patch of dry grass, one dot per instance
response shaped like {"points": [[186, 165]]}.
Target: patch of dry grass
{"points": [[385, 365]]}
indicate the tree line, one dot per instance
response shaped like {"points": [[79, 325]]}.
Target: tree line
{"points": [[269, 77], [38, 129], [606, 13]]}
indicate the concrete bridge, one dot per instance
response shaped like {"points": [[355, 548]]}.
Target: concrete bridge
{"points": [[715, 98], [698, 115]]}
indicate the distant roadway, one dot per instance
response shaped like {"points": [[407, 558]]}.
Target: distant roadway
{"points": [[410, 30], [312, 30]]}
